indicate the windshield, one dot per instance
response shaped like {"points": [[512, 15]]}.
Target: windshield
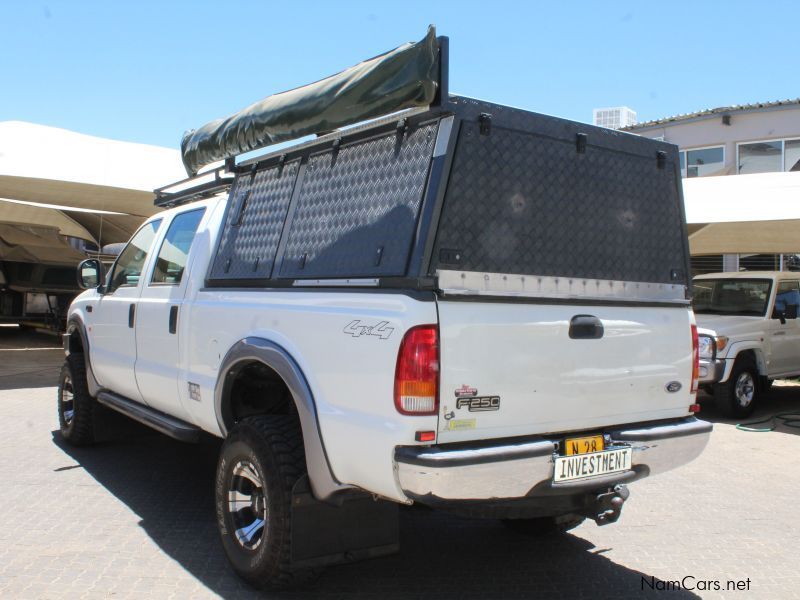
{"points": [[731, 296]]}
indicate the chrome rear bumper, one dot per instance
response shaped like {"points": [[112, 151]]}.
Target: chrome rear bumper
{"points": [[525, 468]]}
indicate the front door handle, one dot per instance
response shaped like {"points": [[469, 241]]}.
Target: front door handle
{"points": [[585, 327], [131, 315], [173, 319]]}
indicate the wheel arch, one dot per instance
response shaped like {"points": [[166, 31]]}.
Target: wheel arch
{"points": [[751, 350], [76, 340], [253, 349]]}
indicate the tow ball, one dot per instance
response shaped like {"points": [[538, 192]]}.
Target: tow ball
{"points": [[607, 507]]}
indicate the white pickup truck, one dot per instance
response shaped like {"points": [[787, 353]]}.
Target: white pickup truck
{"points": [[749, 334], [467, 306]]}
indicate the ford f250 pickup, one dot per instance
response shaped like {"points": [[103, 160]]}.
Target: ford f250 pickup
{"points": [[460, 304]]}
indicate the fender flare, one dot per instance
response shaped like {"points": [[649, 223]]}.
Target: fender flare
{"points": [[736, 349], [323, 483], [76, 324]]}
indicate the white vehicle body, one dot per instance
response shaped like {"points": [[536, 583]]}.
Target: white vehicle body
{"points": [[443, 329], [772, 342]]}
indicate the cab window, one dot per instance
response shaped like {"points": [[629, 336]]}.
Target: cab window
{"points": [[128, 269], [174, 250], [788, 294]]}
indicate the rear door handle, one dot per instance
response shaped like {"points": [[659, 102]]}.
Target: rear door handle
{"points": [[131, 315], [585, 327], [173, 319]]}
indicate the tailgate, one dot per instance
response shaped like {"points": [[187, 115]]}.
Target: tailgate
{"points": [[510, 369]]}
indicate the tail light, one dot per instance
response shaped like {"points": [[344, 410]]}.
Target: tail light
{"points": [[695, 359], [416, 378]]}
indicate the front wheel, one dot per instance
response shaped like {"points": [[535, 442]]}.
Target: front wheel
{"points": [[260, 462], [75, 404], [736, 398]]}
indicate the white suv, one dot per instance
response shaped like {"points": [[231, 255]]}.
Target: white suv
{"points": [[748, 332]]}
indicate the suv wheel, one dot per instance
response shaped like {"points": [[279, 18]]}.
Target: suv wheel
{"points": [[737, 397], [544, 525], [75, 405], [260, 462]]}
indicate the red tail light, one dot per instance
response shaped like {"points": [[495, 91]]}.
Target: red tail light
{"points": [[695, 359], [416, 378]]}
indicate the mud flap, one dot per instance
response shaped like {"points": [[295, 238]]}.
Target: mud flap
{"points": [[357, 529]]}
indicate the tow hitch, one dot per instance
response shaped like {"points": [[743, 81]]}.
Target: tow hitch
{"points": [[606, 508]]}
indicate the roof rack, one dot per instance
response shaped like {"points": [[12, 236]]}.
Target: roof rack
{"points": [[202, 188]]}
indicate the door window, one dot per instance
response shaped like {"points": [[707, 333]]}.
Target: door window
{"points": [[128, 269], [788, 295], [174, 251]]}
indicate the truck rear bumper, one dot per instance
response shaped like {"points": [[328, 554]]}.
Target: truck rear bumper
{"points": [[524, 468]]}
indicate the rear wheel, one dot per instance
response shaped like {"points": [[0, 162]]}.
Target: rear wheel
{"points": [[260, 462], [737, 397], [541, 526], [75, 405]]}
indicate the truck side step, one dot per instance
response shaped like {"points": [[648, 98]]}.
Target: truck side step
{"points": [[174, 428]]}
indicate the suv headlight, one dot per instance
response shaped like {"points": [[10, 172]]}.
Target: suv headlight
{"points": [[706, 346]]}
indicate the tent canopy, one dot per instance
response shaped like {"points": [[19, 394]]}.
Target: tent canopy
{"points": [[743, 214], [80, 176]]}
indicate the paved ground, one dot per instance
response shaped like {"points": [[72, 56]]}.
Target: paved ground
{"points": [[133, 518]]}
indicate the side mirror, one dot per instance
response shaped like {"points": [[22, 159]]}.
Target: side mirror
{"points": [[90, 273], [779, 314]]}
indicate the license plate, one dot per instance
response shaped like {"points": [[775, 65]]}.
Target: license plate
{"points": [[583, 445], [583, 466]]}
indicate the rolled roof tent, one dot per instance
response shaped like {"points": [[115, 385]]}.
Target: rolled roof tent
{"points": [[74, 177], [742, 214], [408, 76]]}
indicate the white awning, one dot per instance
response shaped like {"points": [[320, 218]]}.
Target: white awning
{"points": [[80, 177], [741, 214], [739, 198]]}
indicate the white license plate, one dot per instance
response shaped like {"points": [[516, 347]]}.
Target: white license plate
{"points": [[583, 466]]}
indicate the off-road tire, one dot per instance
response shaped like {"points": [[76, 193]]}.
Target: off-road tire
{"points": [[542, 526], [273, 447], [75, 416], [729, 396]]}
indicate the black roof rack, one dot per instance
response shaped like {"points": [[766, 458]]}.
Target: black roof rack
{"points": [[202, 188]]}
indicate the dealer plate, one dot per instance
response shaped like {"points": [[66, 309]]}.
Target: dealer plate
{"points": [[583, 466], [583, 445]]}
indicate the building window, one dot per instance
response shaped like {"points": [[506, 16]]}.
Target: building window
{"points": [[701, 162], [791, 155], [760, 157]]}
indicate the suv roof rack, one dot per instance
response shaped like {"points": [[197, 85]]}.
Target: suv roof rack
{"points": [[202, 187]]}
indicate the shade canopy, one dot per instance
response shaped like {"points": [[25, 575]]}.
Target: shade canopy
{"points": [[78, 177], [743, 214]]}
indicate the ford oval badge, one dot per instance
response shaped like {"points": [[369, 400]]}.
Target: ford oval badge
{"points": [[673, 386]]}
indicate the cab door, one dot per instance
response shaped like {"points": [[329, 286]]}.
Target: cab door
{"points": [[785, 337], [112, 319], [160, 308]]}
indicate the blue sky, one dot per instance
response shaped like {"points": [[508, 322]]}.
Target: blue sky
{"points": [[145, 71]]}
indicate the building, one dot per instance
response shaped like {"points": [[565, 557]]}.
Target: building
{"points": [[734, 140], [614, 117]]}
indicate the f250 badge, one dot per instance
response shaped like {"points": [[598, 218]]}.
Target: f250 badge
{"points": [[357, 329], [479, 404]]}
